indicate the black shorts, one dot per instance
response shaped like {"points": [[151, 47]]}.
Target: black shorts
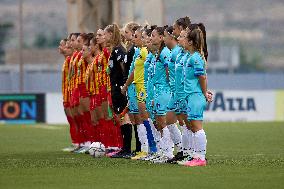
{"points": [[119, 101]]}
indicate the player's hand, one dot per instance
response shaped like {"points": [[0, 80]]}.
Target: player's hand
{"points": [[124, 89], [209, 96], [152, 103]]}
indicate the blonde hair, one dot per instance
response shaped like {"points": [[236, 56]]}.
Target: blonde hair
{"points": [[131, 26], [116, 37]]}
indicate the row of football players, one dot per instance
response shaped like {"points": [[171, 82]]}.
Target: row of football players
{"points": [[166, 85]]}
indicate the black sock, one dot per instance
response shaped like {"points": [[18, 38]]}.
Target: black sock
{"points": [[138, 143], [126, 131]]}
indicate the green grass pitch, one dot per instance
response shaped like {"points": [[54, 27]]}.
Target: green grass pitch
{"points": [[240, 155]]}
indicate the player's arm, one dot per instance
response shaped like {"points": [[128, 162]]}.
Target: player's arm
{"points": [[200, 73], [166, 62], [203, 84], [127, 83]]}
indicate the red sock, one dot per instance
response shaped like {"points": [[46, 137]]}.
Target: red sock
{"points": [[117, 137], [79, 132], [111, 130], [84, 128], [95, 134], [72, 130], [103, 127], [89, 127]]}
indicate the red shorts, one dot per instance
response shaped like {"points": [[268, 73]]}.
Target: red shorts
{"points": [[75, 97], [83, 93]]}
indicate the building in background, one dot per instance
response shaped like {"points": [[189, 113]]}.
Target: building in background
{"points": [[89, 15], [236, 42]]}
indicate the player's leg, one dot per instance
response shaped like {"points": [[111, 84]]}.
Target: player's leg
{"points": [[141, 98], [171, 121], [196, 107], [161, 100]]}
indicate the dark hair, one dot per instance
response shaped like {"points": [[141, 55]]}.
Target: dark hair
{"points": [[69, 36], [170, 30], [75, 34], [148, 29], [84, 36], [87, 38], [137, 27], [160, 31], [202, 28], [205, 51], [183, 22], [116, 37], [196, 36], [87, 43], [90, 35], [93, 40]]}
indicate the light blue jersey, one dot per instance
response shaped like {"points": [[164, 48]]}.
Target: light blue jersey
{"points": [[161, 83], [160, 79], [196, 101], [149, 73], [132, 66], [194, 67], [174, 53], [179, 82], [131, 91], [147, 64], [179, 73]]}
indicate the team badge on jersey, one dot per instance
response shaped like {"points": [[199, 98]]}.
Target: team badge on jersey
{"points": [[158, 105]]}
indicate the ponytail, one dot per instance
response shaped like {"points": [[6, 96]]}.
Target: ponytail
{"points": [[160, 31], [202, 28], [116, 37], [196, 36]]}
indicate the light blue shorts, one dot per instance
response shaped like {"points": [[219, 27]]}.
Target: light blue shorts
{"points": [[132, 100], [181, 106], [172, 104], [196, 104], [149, 99], [161, 99]]}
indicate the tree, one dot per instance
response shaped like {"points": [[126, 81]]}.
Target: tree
{"points": [[41, 41], [4, 32]]}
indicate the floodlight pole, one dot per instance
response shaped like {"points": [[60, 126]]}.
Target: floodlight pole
{"points": [[21, 62]]}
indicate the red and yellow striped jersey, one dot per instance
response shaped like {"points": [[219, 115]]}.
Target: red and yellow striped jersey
{"points": [[70, 74], [101, 65], [74, 70], [91, 78], [88, 76], [65, 72], [81, 71]]}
